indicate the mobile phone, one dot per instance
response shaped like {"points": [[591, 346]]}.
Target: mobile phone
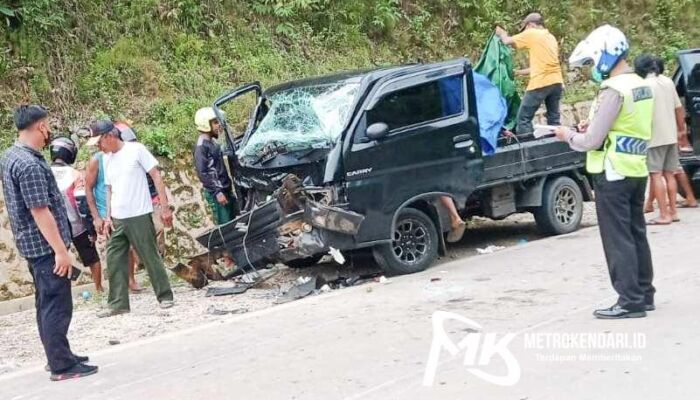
{"points": [[74, 273]]}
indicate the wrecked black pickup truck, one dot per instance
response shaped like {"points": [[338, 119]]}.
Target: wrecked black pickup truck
{"points": [[360, 160]]}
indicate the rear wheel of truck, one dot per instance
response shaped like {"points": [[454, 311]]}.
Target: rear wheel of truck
{"points": [[304, 262], [414, 244], [562, 207]]}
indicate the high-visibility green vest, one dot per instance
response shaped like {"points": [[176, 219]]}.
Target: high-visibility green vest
{"points": [[626, 144]]}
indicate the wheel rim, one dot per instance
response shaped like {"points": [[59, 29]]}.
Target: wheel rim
{"points": [[565, 206], [411, 241]]}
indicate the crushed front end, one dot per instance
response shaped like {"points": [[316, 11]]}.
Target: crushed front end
{"points": [[296, 222]]}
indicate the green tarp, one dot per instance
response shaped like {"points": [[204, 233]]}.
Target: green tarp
{"points": [[496, 63]]}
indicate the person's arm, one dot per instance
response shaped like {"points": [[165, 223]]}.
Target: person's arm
{"points": [[34, 189], [609, 105], [505, 38], [49, 229], [204, 164], [522, 72], [165, 214], [150, 165], [680, 123], [107, 226], [91, 173]]}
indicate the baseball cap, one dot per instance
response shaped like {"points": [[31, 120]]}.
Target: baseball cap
{"points": [[125, 132], [97, 129], [535, 18]]}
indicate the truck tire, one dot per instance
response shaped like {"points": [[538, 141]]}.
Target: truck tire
{"points": [[562, 207], [414, 245], [304, 262]]}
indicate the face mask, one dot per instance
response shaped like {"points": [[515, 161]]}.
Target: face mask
{"points": [[596, 76]]}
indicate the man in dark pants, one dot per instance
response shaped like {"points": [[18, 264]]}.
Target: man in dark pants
{"points": [[546, 81], [616, 144], [42, 233]]}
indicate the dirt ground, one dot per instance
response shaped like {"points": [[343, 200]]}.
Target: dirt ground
{"points": [[19, 340]]}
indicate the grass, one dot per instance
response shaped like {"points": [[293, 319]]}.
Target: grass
{"points": [[154, 62]]}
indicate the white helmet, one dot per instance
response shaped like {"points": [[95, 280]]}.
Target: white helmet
{"points": [[603, 48], [203, 117]]}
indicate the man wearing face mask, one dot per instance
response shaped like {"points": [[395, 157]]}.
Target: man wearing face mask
{"points": [[42, 234], [616, 144]]}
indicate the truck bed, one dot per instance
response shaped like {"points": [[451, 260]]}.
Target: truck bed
{"points": [[525, 156]]}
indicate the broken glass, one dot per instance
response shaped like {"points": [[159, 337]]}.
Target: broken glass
{"points": [[303, 118]]}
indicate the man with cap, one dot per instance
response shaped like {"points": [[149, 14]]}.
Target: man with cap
{"points": [[42, 234], [128, 222], [615, 140], [211, 170], [546, 80], [96, 193]]}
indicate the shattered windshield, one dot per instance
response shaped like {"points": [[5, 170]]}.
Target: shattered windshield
{"points": [[303, 118]]}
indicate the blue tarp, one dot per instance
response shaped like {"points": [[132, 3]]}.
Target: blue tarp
{"points": [[492, 110]]}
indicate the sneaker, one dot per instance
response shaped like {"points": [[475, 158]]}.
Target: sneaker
{"points": [[649, 307], [617, 312], [76, 371], [110, 313], [166, 304], [79, 359]]}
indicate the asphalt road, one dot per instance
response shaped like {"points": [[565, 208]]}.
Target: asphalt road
{"points": [[373, 341]]}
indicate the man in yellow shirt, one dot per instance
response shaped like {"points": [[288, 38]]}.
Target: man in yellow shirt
{"points": [[546, 80]]}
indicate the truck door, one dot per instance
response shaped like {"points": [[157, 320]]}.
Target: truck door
{"points": [[247, 99], [687, 79], [417, 136]]}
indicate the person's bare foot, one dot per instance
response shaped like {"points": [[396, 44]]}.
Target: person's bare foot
{"points": [[648, 209], [659, 221], [134, 287]]}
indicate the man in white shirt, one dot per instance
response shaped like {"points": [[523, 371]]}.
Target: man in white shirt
{"points": [[128, 222]]}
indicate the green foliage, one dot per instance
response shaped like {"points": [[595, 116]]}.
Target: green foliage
{"points": [[155, 62]]}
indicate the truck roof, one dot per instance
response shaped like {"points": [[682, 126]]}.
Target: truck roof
{"points": [[368, 75]]}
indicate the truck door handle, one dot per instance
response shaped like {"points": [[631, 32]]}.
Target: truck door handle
{"points": [[461, 138], [462, 141]]}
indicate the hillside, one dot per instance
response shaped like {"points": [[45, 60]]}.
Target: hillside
{"points": [[155, 62]]}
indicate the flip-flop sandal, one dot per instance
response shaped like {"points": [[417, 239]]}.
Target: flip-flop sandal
{"points": [[676, 220], [657, 222], [683, 205], [456, 234]]}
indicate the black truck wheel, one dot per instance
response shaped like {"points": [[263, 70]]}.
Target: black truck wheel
{"points": [[562, 207], [414, 245], [304, 262]]}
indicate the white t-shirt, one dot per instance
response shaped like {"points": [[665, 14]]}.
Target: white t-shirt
{"points": [[125, 172], [666, 100]]}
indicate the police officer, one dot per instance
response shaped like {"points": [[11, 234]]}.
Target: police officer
{"points": [[615, 139]]}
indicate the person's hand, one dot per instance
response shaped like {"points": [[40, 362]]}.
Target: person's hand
{"points": [[221, 199], [500, 31], [99, 225], [562, 133], [107, 227], [583, 126], [166, 216], [62, 263]]}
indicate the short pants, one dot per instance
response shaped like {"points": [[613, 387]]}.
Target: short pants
{"points": [[87, 252], [663, 158]]}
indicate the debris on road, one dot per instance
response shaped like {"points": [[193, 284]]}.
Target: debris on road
{"points": [[435, 279], [113, 342], [213, 310], [305, 286], [490, 249], [238, 288]]}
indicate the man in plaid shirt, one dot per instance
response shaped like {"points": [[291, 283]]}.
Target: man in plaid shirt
{"points": [[42, 234]]}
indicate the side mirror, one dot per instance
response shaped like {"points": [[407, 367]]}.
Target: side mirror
{"points": [[377, 130]]}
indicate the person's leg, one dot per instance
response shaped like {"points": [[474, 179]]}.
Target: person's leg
{"points": [[142, 235], [96, 272], [552, 103], [55, 313], [657, 185], [672, 192], [649, 205], [532, 99], [118, 268], [37, 304], [449, 204], [614, 208], [639, 233], [134, 262], [684, 182]]}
